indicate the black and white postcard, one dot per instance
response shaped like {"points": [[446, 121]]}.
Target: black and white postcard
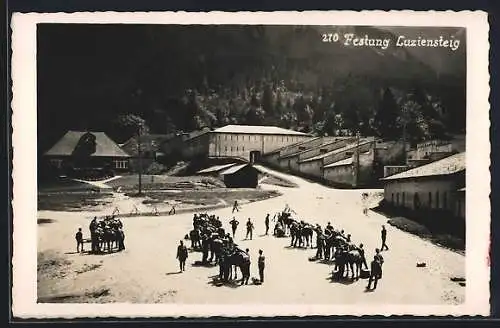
{"points": [[250, 164]]}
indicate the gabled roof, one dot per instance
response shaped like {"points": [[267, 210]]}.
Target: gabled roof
{"points": [[449, 165], [233, 169], [291, 145], [105, 147], [197, 133], [338, 150], [300, 152], [257, 129], [216, 168], [343, 162]]}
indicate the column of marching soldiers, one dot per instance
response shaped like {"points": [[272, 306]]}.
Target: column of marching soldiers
{"points": [[218, 246]]}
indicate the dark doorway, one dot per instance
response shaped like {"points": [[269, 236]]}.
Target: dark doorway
{"points": [[416, 201], [255, 156]]}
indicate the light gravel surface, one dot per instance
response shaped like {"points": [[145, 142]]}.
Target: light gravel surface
{"points": [[146, 272]]}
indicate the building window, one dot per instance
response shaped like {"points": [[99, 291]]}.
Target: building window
{"points": [[231, 137], [287, 139], [243, 148], [430, 200], [392, 198], [121, 164], [404, 199], [437, 199], [231, 148], [445, 200], [237, 147], [397, 198], [225, 148], [225, 137]]}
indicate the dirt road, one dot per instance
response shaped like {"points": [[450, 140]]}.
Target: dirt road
{"points": [[147, 270]]}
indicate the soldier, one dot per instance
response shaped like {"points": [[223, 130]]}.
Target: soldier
{"points": [[380, 259], [234, 224], [182, 255], [93, 237], [79, 240], [329, 227], [383, 235], [204, 247], [375, 274], [362, 253], [121, 239], [326, 249], [249, 229], [266, 221], [262, 265], [320, 240], [236, 206]]}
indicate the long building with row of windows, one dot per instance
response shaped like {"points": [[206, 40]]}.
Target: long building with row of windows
{"points": [[240, 141], [437, 187]]}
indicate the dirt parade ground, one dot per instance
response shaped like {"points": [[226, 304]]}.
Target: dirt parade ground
{"points": [[147, 270]]}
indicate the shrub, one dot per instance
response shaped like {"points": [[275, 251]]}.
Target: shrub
{"points": [[155, 168]]}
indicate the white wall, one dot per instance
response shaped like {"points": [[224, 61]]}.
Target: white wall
{"points": [[442, 191]]}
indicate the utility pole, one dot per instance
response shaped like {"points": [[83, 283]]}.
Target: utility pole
{"points": [[139, 154], [357, 159], [405, 120]]}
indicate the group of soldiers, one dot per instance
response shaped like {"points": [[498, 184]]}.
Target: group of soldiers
{"points": [[105, 233], [333, 244], [219, 247]]}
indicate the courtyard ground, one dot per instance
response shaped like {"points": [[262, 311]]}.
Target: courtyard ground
{"points": [[147, 271]]}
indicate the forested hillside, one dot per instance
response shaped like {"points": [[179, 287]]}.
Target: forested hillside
{"points": [[180, 78]]}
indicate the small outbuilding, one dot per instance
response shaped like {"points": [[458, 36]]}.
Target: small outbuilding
{"points": [[240, 176]]}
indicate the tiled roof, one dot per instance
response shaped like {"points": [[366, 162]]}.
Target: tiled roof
{"points": [[346, 161], [298, 152], [336, 151], [197, 133], [449, 165], [105, 147], [216, 168], [233, 169], [292, 145], [257, 129]]}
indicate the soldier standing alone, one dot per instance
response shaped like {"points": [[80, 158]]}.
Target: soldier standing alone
{"points": [[267, 223], [249, 229], [234, 224], [262, 265], [235, 206], [79, 240], [383, 235], [375, 274], [182, 255]]}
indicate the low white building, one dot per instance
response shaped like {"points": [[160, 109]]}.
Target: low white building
{"points": [[435, 187]]}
